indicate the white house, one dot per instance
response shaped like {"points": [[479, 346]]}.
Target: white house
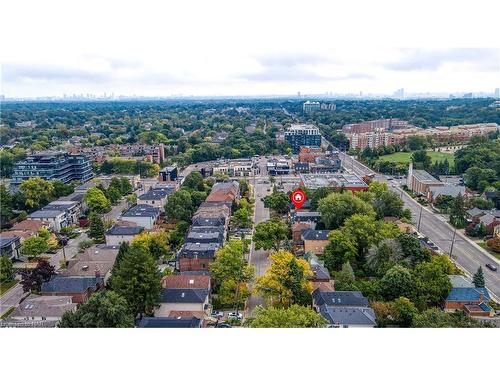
{"points": [[119, 234], [56, 218], [143, 215]]}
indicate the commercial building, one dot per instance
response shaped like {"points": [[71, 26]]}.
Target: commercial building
{"points": [[350, 182], [235, 167], [53, 166], [278, 166], [309, 154], [302, 135], [419, 181]]}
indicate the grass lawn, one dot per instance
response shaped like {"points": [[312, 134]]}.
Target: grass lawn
{"points": [[484, 246], [4, 287], [6, 314], [404, 157]]}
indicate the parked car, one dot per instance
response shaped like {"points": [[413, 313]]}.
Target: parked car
{"points": [[491, 267], [217, 314], [223, 325], [235, 315]]}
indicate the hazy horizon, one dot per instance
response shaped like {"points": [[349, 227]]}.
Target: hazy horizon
{"points": [[157, 50]]}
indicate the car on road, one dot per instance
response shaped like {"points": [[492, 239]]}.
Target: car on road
{"points": [[217, 314], [235, 315], [492, 267]]}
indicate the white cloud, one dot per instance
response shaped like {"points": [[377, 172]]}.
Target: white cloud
{"points": [[261, 47]]}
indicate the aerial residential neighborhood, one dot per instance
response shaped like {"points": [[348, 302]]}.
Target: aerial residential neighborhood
{"points": [[201, 237]]}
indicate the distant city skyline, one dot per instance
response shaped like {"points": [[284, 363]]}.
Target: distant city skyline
{"points": [[158, 50]]}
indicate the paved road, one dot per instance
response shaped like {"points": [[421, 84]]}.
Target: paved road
{"points": [[258, 258], [467, 254], [14, 295]]}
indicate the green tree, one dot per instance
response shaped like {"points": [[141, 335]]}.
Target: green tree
{"points": [[336, 208], [194, 181], [344, 279], [34, 246], [404, 311], [97, 201], [388, 203], [286, 280], [412, 250], [458, 211], [156, 243], [397, 282], [436, 318], [96, 229], [36, 192], [230, 264], [102, 310], [270, 235], [113, 194], [179, 206], [138, 280], [341, 249], [478, 278], [431, 283], [292, 317], [6, 205], [278, 202], [421, 160], [6, 269], [60, 189]]}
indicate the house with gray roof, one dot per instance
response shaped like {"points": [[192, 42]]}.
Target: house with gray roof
{"points": [[10, 246], [344, 309], [43, 308], [183, 299], [56, 219], [117, 234], [454, 191], [169, 322], [78, 287], [156, 197], [143, 215]]}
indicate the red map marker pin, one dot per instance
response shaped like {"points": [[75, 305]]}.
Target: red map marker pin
{"points": [[298, 198]]}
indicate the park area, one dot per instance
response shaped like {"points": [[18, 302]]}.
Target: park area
{"points": [[405, 157]]}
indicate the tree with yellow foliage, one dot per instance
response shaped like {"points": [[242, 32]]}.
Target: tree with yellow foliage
{"points": [[156, 243], [286, 280]]}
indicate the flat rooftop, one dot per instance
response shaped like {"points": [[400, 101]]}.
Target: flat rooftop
{"points": [[314, 181]]}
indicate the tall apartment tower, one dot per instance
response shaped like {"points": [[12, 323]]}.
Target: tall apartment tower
{"points": [[303, 135]]}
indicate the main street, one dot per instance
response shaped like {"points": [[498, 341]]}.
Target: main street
{"points": [[258, 257], [466, 254]]}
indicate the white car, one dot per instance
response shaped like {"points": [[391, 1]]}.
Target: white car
{"points": [[235, 315]]}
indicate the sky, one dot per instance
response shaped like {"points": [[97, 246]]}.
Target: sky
{"points": [[219, 47]]}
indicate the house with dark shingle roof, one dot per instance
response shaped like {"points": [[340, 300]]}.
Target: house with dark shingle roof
{"points": [[118, 234], [78, 287], [183, 299], [474, 301], [169, 322], [344, 309], [315, 241]]}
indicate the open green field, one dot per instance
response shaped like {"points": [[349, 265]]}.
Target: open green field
{"points": [[404, 157]]}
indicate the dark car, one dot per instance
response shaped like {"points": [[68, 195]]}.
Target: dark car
{"points": [[491, 267], [223, 325]]}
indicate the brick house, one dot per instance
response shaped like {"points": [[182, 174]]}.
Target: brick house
{"points": [[315, 241], [474, 301], [78, 287]]}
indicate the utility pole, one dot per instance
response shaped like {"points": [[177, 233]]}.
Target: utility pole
{"points": [[419, 216], [453, 241]]}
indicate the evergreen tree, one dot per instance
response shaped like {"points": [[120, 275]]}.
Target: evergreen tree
{"points": [[478, 278], [96, 230], [102, 310], [138, 280]]}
